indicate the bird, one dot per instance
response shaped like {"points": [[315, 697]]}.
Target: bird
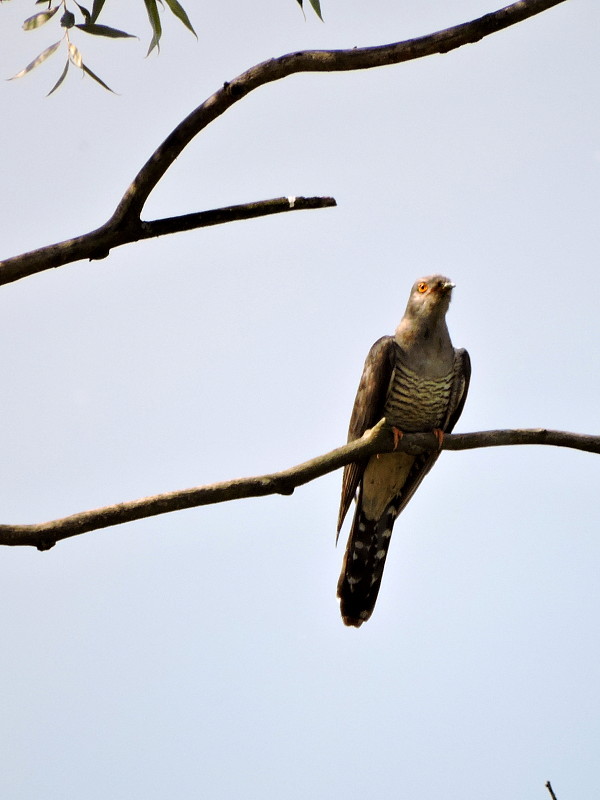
{"points": [[418, 381]]}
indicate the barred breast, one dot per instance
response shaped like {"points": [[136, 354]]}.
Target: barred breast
{"points": [[416, 403]]}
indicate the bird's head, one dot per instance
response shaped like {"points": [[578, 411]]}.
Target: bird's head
{"points": [[429, 297]]}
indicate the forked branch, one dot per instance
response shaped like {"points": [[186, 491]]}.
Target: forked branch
{"points": [[378, 440], [130, 228], [126, 225]]}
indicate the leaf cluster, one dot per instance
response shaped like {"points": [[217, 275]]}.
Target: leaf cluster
{"points": [[88, 23], [77, 16]]}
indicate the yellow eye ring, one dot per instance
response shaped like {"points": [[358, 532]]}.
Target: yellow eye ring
{"points": [[422, 287]]}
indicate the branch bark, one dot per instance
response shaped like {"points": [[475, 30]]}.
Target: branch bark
{"points": [[126, 226], [378, 440]]}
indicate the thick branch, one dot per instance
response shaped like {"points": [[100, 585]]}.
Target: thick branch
{"points": [[378, 440], [125, 225]]}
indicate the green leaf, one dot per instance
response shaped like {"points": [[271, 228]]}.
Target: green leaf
{"points": [[316, 4], [63, 75], [37, 61], [96, 9], [85, 13], [154, 18], [75, 55], [89, 72], [39, 19], [104, 30], [179, 12]]}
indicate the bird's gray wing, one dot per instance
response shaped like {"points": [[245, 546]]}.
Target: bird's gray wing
{"points": [[462, 378], [368, 410]]}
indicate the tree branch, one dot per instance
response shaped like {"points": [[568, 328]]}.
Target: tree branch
{"points": [[126, 226], [98, 243], [378, 440], [218, 216], [314, 61]]}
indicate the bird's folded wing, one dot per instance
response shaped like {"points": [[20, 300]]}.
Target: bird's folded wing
{"points": [[368, 410]]}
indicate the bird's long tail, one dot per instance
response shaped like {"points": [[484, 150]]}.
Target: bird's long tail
{"points": [[363, 565]]}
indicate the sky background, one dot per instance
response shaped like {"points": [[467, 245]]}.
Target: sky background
{"points": [[201, 654]]}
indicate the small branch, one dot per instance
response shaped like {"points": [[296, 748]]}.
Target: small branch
{"points": [[98, 244], [218, 216], [549, 787], [577, 441], [378, 440], [125, 225]]}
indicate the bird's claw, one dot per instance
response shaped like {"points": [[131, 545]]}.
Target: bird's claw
{"points": [[398, 434], [439, 435]]}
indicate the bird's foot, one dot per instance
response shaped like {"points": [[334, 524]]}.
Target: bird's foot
{"points": [[398, 434], [439, 435]]}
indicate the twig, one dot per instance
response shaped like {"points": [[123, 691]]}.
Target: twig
{"points": [[549, 787], [218, 216], [378, 440], [126, 226]]}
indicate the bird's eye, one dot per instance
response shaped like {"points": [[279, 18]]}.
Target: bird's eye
{"points": [[422, 287]]}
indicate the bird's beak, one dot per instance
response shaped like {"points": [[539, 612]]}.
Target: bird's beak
{"points": [[448, 286]]}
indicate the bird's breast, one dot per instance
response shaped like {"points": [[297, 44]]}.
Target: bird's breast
{"points": [[415, 402]]}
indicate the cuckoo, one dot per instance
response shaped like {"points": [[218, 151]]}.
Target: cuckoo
{"points": [[418, 382]]}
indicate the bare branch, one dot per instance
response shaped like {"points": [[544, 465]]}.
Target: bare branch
{"points": [[550, 789], [378, 440], [218, 216], [98, 243], [125, 225], [314, 61], [467, 441]]}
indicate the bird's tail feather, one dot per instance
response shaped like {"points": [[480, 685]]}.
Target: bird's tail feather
{"points": [[363, 565]]}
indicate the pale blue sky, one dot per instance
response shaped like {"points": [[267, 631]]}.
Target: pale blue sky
{"points": [[201, 654]]}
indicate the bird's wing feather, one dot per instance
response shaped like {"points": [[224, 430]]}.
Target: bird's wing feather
{"points": [[462, 372], [367, 411]]}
